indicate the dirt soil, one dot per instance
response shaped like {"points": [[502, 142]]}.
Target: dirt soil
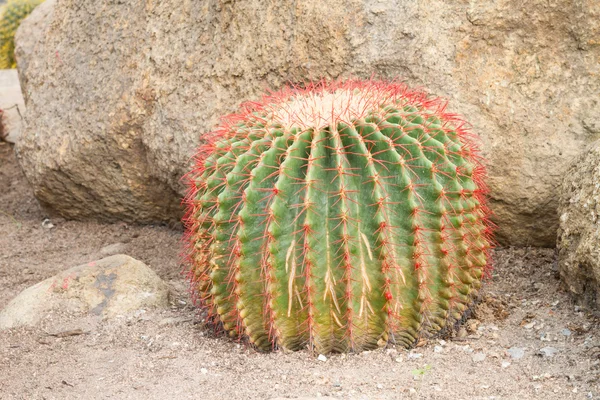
{"points": [[170, 354]]}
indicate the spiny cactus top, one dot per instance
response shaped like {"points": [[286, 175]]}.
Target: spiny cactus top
{"points": [[11, 15], [340, 216]]}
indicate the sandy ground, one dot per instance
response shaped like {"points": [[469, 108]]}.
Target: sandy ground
{"points": [[170, 354]]}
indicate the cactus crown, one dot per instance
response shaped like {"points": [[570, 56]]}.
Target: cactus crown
{"points": [[11, 15], [341, 216]]}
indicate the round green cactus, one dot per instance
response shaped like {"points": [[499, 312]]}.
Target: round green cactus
{"points": [[339, 216], [11, 15]]}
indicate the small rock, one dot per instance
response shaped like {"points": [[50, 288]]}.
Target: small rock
{"points": [[505, 364], [529, 325], [322, 358], [398, 359], [112, 249], [379, 386], [462, 333], [438, 349], [414, 356], [548, 351], [466, 348], [109, 287], [566, 332], [516, 353], [204, 371], [478, 357], [47, 224]]}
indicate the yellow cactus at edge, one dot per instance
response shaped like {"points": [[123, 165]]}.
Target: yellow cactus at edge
{"points": [[11, 15]]}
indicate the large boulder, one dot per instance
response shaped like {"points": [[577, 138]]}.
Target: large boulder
{"points": [[579, 233], [119, 93], [112, 286]]}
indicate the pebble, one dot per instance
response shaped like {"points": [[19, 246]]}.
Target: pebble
{"points": [[414, 356], [112, 249], [529, 325], [466, 348], [47, 224], [438, 349], [505, 364], [204, 371], [322, 357], [548, 351], [516, 353], [565, 332], [478, 357]]}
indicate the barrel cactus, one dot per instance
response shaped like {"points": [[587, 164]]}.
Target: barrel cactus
{"points": [[339, 216], [11, 15]]}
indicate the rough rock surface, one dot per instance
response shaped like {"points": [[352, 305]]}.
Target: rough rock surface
{"points": [[122, 91], [12, 106], [108, 287], [579, 233]]}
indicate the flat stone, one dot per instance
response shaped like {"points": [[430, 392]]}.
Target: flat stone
{"points": [[516, 353], [548, 351], [106, 288]]}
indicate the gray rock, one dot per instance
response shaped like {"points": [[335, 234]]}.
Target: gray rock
{"points": [[548, 351], [106, 288], [414, 356], [579, 233], [478, 357], [120, 107], [516, 353], [12, 106]]}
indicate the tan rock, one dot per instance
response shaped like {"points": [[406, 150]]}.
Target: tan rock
{"points": [[122, 92], [12, 106], [112, 286], [579, 233]]}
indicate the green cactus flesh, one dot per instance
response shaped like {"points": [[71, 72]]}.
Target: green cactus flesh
{"points": [[11, 15], [340, 216]]}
